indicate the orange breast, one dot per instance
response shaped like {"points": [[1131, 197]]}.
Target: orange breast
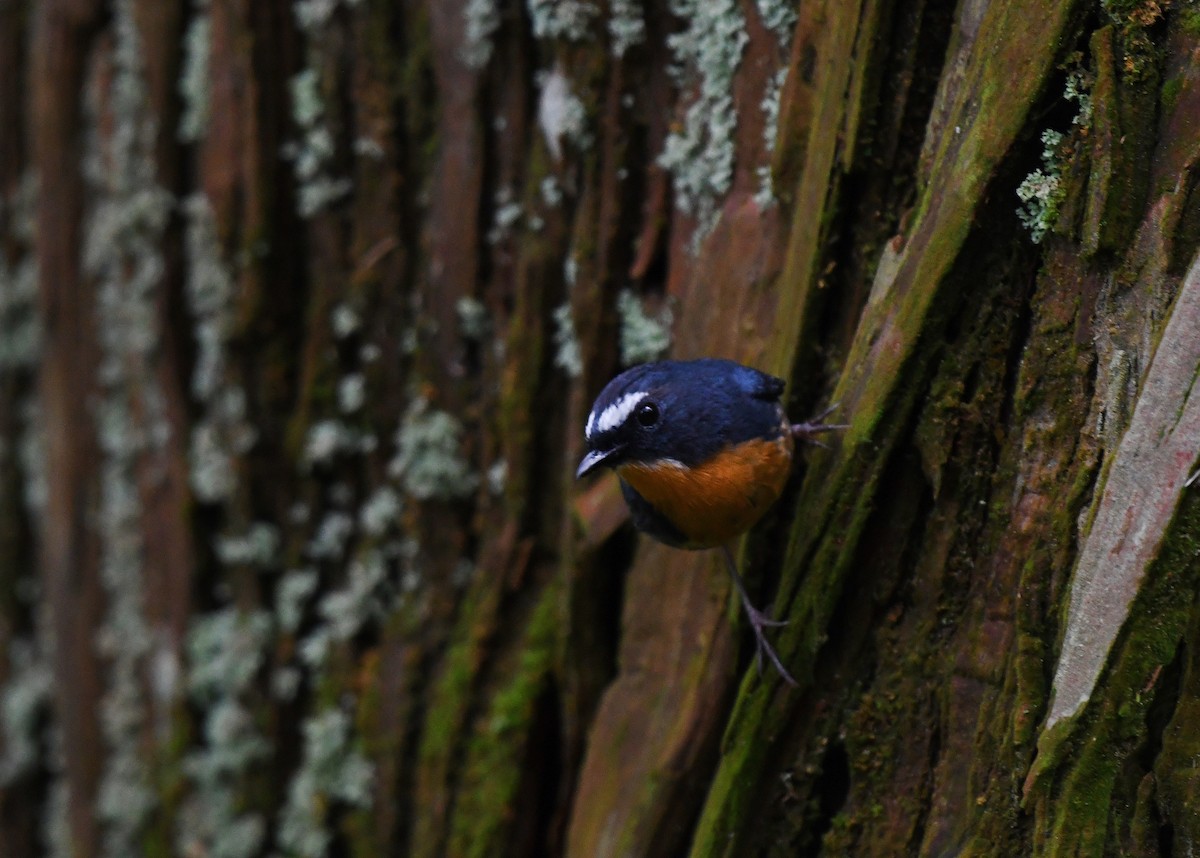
{"points": [[722, 498]]}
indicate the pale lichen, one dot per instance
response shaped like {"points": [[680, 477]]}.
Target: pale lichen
{"points": [[626, 26], [1041, 193], [257, 546], [481, 18], [331, 537], [221, 432], [226, 653], [194, 77], [20, 328], [497, 476], [313, 153], [428, 463], [211, 474], [332, 771], [700, 153], [561, 19], [570, 270], [380, 512], [314, 15], [779, 16], [24, 704], [551, 191], [561, 115], [122, 252], [285, 682], [55, 826], [31, 456], [351, 392], [314, 648], [365, 596], [506, 215], [292, 593], [567, 355], [1079, 90], [328, 439], [473, 319], [642, 337], [345, 321], [770, 108]]}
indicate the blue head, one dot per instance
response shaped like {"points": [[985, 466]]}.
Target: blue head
{"points": [[680, 411]]}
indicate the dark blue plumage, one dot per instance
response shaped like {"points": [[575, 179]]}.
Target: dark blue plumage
{"points": [[706, 405], [702, 448]]}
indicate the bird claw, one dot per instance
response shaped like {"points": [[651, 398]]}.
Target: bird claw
{"points": [[758, 621], [814, 425], [758, 618]]}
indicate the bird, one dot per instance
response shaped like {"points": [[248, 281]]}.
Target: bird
{"points": [[702, 448]]}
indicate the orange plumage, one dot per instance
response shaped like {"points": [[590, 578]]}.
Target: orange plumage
{"points": [[718, 500]]}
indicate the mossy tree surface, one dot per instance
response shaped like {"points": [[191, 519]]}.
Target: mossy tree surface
{"points": [[302, 307]]}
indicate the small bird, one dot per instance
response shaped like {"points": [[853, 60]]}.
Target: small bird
{"points": [[703, 448]]}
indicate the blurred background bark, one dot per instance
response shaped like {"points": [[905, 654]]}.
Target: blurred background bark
{"points": [[302, 307]]}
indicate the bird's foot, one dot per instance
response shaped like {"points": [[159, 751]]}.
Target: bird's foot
{"points": [[814, 426], [758, 619], [758, 622]]}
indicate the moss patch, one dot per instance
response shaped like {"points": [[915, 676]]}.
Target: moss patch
{"points": [[495, 768], [1075, 808]]}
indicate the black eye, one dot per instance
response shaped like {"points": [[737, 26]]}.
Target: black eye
{"points": [[647, 414]]}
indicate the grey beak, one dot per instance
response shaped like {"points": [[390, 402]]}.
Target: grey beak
{"points": [[593, 460]]}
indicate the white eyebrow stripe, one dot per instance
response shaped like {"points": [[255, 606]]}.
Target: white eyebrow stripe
{"points": [[615, 414]]}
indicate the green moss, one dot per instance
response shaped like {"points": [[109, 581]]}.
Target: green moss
{"points": [[495, 768], [1189, 19], [415, 70], [530, 346], [1169, 95], [905, 701], [1125, 107], [449, 702], [1079, 826], [170, 784], [446, 720], [761, 703], [1133, 20], [1172, 784], [1144, 826], [1091, 750], [450, 697], [889, 358]]}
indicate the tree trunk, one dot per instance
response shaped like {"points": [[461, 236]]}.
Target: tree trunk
{"points": [[302, 309]]}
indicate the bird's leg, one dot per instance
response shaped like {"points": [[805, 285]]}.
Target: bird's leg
{"points": [[758, 620], [811, 427]]}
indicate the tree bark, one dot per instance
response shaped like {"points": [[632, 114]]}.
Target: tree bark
{"points": [[302, 309]]}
